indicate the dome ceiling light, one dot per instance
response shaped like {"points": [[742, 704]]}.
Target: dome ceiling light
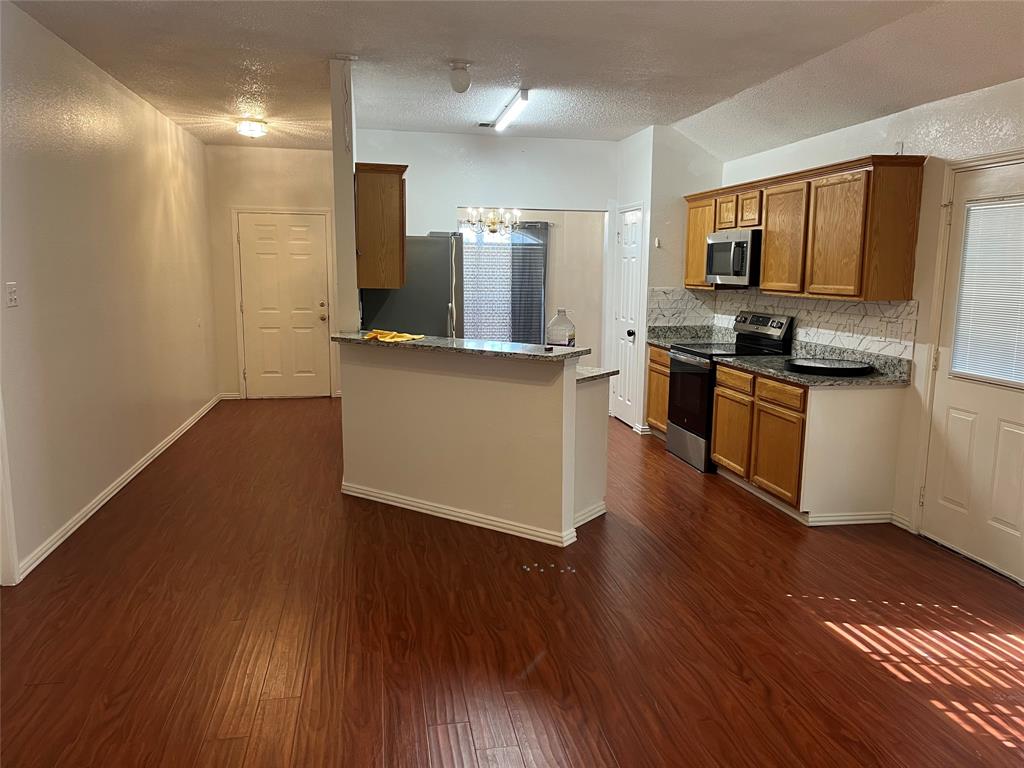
{"points": [[460, 78]]}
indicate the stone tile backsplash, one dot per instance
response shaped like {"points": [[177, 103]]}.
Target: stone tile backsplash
{"points": [[878, 327]]}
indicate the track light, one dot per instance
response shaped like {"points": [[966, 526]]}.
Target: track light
{"points": [[512, 111]]}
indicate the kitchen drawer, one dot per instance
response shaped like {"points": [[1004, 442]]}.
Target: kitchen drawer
{"points": [[728, 377], [659, 356], [785, 395]]}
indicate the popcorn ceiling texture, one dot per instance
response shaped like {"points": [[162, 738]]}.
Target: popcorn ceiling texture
{"points": [[878, 327]]}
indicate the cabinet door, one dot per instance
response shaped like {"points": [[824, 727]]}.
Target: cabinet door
{"points": [[657, 397], [782, 244], [700, 222], [750, 208], [730, 432], [725, 216], [380, 225], [777, 452], [835, 238]]}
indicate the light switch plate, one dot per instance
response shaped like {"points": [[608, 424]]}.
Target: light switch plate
{"points": [[11, 294]]}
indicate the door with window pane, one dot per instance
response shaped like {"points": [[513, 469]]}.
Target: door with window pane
{"points": [[974, 490]]}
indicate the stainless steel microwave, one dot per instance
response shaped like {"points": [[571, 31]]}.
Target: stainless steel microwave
{"points": [[734, 258]]}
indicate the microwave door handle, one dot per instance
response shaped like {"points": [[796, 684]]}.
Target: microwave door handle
{"points": [[733, 261]]}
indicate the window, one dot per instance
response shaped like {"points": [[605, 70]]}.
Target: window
{"points": [[503, 279], [988, 339]]}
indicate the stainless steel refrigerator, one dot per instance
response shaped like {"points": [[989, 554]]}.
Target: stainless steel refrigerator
{"points": [[430, 302]]}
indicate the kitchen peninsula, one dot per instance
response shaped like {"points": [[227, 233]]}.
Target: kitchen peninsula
{"points": [[505, 436]]}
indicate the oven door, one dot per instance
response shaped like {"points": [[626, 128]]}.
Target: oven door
{"points": [[689, 409], [689, 393]]}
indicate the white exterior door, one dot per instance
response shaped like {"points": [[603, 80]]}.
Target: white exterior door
{"points": [[974, 488], [285, 326], [627, 387]]}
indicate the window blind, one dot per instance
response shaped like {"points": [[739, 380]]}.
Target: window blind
{"points": [[988, 337], [504, 279]]}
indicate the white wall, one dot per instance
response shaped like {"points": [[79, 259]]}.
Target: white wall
{"points": [[447, 171], [253, 177], [970, 125], [104, 229], [678, 167]]}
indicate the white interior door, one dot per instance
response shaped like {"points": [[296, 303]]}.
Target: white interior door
{"points": [[974, 490], [285, 326], [627, 387]]}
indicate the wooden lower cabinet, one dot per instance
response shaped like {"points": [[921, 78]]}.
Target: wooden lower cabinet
{"points": [[656, 408], [758, 431], [730, 434], [777, 451]]}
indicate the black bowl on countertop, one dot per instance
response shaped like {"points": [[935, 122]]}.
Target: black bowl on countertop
{"points": [[829, 367]]}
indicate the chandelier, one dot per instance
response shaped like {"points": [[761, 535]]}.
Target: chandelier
{"points": [[496, 221]]}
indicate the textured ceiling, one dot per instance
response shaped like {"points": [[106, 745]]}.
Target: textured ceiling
{"points": [[940, 52], [596, 70]]}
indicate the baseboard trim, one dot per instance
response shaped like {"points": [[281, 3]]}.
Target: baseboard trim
{"points": [[902, 522], [27, 564], [641, 429], [563, 539], [850, 518], [230, 396], [588, 514]]}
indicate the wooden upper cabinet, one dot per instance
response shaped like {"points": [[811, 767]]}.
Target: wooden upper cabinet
{"points": [[380, 225], [835, 234], [846, 230], [749, 208], [731, 431], [782, 241], [725, 216], [700, 222]]}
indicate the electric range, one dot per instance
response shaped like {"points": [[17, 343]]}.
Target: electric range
{"points": [[692, 381]]}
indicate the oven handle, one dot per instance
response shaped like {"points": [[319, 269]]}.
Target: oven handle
{"points": [[700, 362]]}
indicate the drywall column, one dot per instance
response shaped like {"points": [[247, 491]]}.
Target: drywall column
{"points": [[345, 313], [8, 548]]}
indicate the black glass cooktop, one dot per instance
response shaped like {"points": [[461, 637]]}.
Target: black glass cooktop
{"points": [[719, 349]]}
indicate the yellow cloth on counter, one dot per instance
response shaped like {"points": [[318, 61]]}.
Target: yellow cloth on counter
{"points": [[392, 335]]}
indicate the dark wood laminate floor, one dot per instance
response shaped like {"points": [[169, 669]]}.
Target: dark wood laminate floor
{"points": [[230, 608]]}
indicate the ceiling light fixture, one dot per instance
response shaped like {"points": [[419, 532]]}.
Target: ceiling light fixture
{"points": [[459, 76], [512, 111], [497, 222], [252, 128]]}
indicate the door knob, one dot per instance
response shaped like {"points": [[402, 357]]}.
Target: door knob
{"points": [[323, 317], [631, 333], [323, 304]]}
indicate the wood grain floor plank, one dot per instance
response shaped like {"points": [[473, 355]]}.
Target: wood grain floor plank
{"points": [[273, 733], [691, 625], [223, 753], [538, 737], [451, 746], [502, 757]]}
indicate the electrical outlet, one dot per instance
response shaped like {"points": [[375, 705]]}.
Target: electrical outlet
{"points": [[11, 293]]}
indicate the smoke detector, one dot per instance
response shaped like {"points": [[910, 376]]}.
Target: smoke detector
{"points": [[459, 76]]}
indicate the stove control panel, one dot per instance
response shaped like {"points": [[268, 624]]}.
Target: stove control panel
{"points": [[773, 326]]}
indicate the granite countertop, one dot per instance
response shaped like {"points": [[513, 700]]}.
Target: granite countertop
{"points": [[774, 366], [587, 373], [470, 347]]}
